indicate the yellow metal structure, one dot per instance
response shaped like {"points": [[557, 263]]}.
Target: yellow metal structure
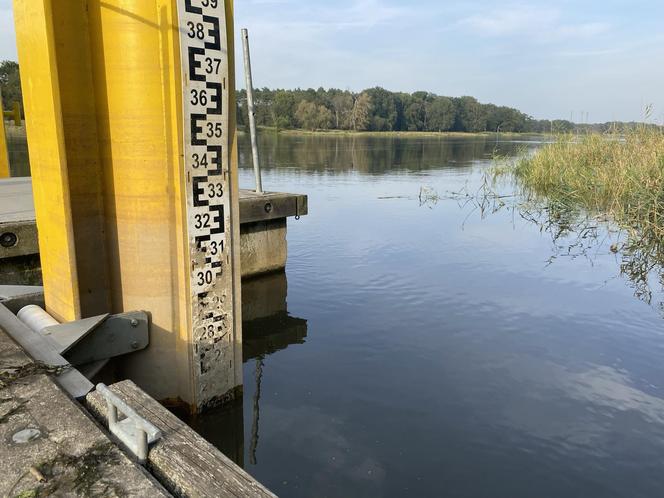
{"points": [[4, 157], [102, 86], [14, 114]]}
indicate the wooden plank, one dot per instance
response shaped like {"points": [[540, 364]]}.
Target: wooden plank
{"points": [[70, 450], [271, 206], [182, 460]]}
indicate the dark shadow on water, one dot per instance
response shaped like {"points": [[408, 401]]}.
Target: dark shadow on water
{"points": [[267, 328]]}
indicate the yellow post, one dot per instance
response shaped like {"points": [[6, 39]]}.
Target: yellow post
{"points": [[17, 114], [150, 171], [41, 93], [4, 157]]}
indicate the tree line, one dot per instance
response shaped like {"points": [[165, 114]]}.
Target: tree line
{"points": [[375, 109]]}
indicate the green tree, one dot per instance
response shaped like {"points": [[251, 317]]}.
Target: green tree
{"points": [[384, 113], [10, 84], [342, 106], [313, 117], [470, 115], [282, 110], [442, 114], [324, 118], [360, 117]]}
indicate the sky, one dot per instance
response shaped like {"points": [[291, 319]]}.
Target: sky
{"points": [[590, 60]]}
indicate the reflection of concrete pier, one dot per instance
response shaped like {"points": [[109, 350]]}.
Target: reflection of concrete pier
{"points": [[267, 326], [262, 217], [267, 329]]}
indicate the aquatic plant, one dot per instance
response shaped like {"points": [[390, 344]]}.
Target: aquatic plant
{"points": [[616, 178]]}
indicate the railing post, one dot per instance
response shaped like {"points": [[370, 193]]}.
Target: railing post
{"points": [[252, 112]]}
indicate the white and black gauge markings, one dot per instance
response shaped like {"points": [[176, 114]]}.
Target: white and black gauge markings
{"points": [[204, 55]]}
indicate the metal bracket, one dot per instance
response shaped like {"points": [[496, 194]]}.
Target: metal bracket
{"points": [[101, 337], [136, 433]]}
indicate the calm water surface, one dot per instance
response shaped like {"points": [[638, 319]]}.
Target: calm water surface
{"points": [[427, 350]]}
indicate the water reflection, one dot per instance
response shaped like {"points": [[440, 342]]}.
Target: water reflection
{"points": [[377, 155], [574, 233], [267, 328], [444, 355]]}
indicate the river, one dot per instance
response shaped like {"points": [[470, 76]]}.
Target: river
{"points": [[421, 346]]}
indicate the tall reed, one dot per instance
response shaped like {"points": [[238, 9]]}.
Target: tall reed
{"points": [[619, 175]]}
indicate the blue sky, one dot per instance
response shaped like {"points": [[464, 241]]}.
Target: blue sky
{"points": [[551, 59]]}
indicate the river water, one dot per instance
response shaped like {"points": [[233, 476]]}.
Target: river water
{"points": [[419, 347]]}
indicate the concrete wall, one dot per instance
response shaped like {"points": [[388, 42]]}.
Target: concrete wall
{"points": [[263, 247]]}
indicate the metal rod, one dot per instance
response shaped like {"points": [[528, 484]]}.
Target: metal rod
{"points": [[252, 113]]}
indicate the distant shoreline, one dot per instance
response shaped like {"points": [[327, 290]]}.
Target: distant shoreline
{"points": [[403, 134]]}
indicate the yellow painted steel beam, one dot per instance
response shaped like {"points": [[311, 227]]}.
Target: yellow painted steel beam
{"points": [[122, 233], [136, 72], [4, 157], [48, 158], [78, 105]]}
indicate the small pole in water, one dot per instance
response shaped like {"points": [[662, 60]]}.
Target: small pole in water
{"points": [[250, 108]]}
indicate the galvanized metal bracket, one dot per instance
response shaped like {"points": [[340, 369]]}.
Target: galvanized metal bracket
{"points": [[136, 433], [101, 337]]}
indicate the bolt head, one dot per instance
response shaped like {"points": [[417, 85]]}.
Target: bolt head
{"points": [[8, 239], [134, 345], [134, 322]]}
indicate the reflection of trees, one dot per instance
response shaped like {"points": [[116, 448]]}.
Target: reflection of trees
{"points": [[368, 154], [574, 233]]}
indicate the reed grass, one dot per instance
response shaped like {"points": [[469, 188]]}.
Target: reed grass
{"points": [[617, 175]]}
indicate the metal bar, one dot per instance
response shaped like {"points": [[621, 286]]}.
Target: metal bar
{"points": [[71, 380], [251, 110]]}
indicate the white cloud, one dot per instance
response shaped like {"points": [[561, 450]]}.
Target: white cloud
{"points": [[539, 24]]}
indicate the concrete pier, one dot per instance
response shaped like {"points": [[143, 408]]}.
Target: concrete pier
{"points": [[263, 230]]}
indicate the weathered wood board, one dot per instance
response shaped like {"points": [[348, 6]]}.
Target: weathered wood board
{"points": [[182, 460]]}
